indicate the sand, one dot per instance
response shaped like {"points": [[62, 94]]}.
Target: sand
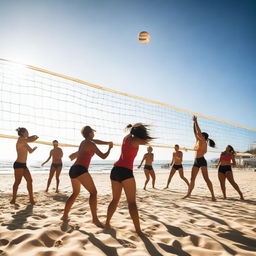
{"points": [[172, 225]]}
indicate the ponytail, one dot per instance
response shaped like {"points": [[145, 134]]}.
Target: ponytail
{"points": [[140, 130], [211, 143]]}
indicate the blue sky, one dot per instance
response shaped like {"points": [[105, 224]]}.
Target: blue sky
{"points": [[201, 56]]}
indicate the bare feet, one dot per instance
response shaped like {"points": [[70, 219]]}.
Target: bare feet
{"points": [[12, 201], [64, 218], [165, 187], [108, 226], [214, 199], [98, 223], [186, 196], [242, 198], [32, 201]]}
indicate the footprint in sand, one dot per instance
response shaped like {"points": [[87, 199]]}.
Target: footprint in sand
{"points": [[126, 244], [58, 243]]}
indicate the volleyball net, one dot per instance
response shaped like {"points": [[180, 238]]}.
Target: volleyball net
{"points": [[55, 106]]}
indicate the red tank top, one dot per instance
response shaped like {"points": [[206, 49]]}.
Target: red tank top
{"points": [[226, 158], [128, 153], [84, 159]]}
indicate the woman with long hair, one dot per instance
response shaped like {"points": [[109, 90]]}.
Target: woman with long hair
{"points": [[79, 174], [202, 140], [227, 159], [20, 166], [122, 173]]}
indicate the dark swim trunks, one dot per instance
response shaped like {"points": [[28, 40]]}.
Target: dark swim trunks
{"points": [[77, 170], [120, 173], [224, 168], [148, 167], [56, 165], [200, 162], [18, 165], [177, 166]]}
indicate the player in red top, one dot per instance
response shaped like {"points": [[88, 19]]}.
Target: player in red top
{"points": [[79, 172], [225, 170], [122, 173]]}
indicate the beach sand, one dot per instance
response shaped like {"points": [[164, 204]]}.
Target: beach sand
{"points": [[172, 225]]}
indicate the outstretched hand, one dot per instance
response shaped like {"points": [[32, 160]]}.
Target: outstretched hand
{"points": [[110, 144], [194, 118]]}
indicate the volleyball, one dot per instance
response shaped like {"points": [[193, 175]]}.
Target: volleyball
{"points": [[144, 37]]}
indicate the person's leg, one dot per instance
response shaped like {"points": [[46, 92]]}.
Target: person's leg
{"points": [[129, 186], [222, 179], [147, 178], [51, 174], [29, 180], [181, 173], [153, 177], [18, 174], [58, 171], [172, 172], [230, 178], [116, 194], [76, 189], [208, 182], [191, 186], [87, 181]]}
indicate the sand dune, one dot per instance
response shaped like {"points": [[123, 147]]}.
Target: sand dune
{"points": [[172, 226]]}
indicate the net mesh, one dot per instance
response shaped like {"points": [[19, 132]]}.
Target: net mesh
{"points": [[54, 106]]}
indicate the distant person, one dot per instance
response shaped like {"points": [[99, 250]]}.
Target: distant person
{"points": [[148, 169], [122, 173], [20, 165], [79, 174], [202, 139], [56, 154], [227, 159], [176, 164]]}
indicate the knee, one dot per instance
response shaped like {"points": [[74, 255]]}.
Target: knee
{"points": [[17, 183], [114, 201], [93, 193], [30, 181], [132, 204]]}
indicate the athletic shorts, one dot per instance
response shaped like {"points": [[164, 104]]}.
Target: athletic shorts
{"points": [[200, 162], [77, 170], [148, 167], [224, 168], [18, 165], [56, 165], [121, 173], [177, 166]]}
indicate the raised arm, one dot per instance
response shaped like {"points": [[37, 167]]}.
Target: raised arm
{"points": [[99, 153], [143, 159], [47, 159], [197, 130]]}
